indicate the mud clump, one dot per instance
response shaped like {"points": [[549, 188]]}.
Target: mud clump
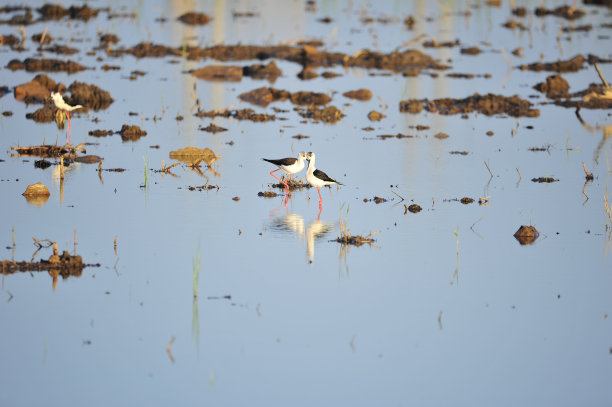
{"points": [[46, 65], [309, 98], [329, 114], [57, 12], [414, 208], [488, 104], [101, 133], [526, 235], [375, 116], [260, 71], [43, 115], [38, 189], [546, 180], [37, 90], [264, 96], [90, 96], [267, 194], [145, 49], [241, 114], [229, 73], [567, 12], [554, 87], [571, 65], [359, 94], [11, 40], [213, 128], [193, 18], [131, 133]]}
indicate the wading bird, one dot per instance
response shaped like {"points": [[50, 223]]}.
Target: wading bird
{"points": [[289, 165], [65, 107], [317, 178]]}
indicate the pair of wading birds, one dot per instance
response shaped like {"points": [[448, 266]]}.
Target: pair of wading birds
{"points": [[290, 166]]}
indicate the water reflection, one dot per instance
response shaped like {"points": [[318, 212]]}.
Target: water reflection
{"points": [[291, 223]]}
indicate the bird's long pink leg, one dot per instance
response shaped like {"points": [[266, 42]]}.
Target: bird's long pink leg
{"points": [[69, 128], [284, 183], [320, 199]]}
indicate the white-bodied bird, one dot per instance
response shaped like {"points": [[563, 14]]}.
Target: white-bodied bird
{"points": [[289, 165], [61, 104], [317, 178]]}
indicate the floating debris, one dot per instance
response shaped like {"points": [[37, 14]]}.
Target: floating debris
{"points": [[192, 155], [267, 194]]}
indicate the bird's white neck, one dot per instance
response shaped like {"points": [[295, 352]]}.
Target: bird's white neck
{"points": [[311, 166]]}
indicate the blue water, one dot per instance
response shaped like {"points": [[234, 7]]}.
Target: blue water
{"points": [[446, 307]]}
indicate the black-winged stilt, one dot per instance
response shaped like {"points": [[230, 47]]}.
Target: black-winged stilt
{"points": [[62, 105], [289, 165], [317, 178]]}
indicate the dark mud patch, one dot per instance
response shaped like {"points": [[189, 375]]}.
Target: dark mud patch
{"points": [[571, 65], [90, 96], [414, 208], [458, 75], [470, 51], [10, 40], [526, 234], [131, 133], [101, 133], [555, 86], [261, 71], [329, 114], [38, 90], [444, 44], [57, 12], [59, 49], [46, 151], [194, 18], [46, 65], [240, 114], [267, 194], [395, 136], [205, 187], [377, 200], [293, 185], [546, 180], [226, 73], [305, 55], [567, 12], [488, 104], [42, 164], [355, 240], [212, 128], [264, 96]]}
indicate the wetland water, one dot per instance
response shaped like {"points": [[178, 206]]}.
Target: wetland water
{"points": [[445, 307]]}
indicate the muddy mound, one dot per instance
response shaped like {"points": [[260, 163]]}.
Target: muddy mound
{"points": [[329, 114], [146, 49], [47, 65], [571, 65], [90, 96], [10, 40], [131, 133], [488, 104], [193, 18], [264, 96], [567, 12], [260, 71], [57, 12], [37, 90], [554, 87]]}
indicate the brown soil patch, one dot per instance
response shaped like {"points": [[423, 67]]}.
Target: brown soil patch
{"points": [[213, 128], [554, 87], [329, 114], [89, 96], [65, 265], [37, 189], [229, 73], [571, 65], [37, 90], [264, 96], [260, 71], [47, 65], [190, 155], [242, 114], [375, 116], [193, 18], [547, 180], [488, 104], [567, 12], [57, 12], [359, 94], [526, 234], [131, 133]]}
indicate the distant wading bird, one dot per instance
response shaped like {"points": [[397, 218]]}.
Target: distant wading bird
{"points": [[289, 165], [317, 178], [65, 107]]}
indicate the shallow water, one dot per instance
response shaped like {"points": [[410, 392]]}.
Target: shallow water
{"points": [[446, 307]]}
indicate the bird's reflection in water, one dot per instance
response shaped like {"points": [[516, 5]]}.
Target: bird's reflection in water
{"points": [[291, 223]]}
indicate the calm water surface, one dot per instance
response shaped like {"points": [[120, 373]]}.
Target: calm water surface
{"points": [[445, 308]]}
